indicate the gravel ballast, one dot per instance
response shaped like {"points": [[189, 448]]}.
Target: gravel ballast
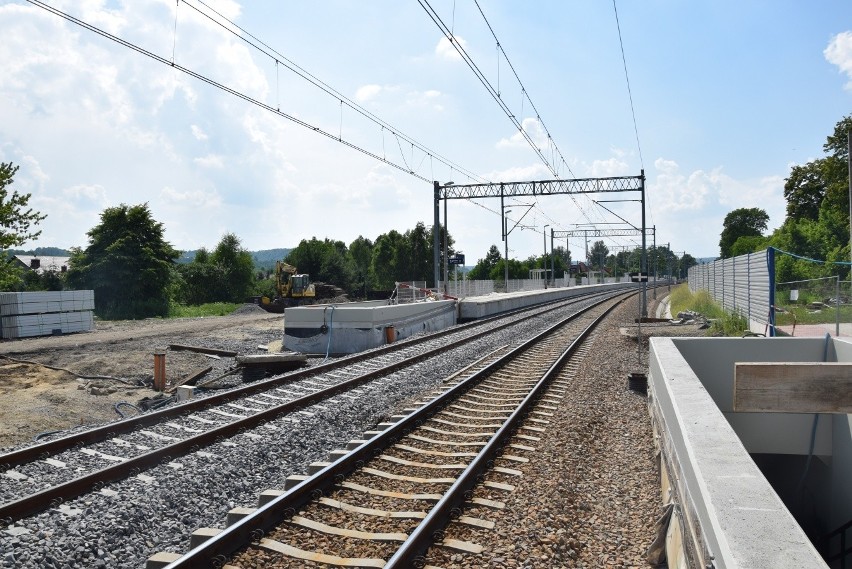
{"points": [[590, 501]]}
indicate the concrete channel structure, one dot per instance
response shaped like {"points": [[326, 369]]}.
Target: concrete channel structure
{"points": [[749, 489], [358, 326]]}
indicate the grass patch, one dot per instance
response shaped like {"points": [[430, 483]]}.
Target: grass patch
{"points": [[724, 324], [209, 309], [803, 315]]}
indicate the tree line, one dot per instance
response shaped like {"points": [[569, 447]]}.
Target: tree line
{"points": [[134, 273], [816, 224]]}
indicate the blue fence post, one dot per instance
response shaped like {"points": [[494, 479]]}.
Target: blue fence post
{"points": [[770, 265]]}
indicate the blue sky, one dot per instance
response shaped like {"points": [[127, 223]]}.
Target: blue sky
{"points": [[727, 95]]}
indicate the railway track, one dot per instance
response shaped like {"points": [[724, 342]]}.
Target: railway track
{"points": [[182, 484], [424, 484], [45, 476]]}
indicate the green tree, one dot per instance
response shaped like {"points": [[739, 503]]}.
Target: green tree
{"points": [[389, 263], [361, 253], [817, 223], [598, 254], [324, 261], [742, 222], [235, 269], [17, 224], [128, 264], [198, 280], [804, 190], [45, 280], [749, 244], [483, 267]]}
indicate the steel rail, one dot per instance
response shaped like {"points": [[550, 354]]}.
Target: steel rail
{"points": [[103, 432], [410, 553], [55, 495], [217, 549]]}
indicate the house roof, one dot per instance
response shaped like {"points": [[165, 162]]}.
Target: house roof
{"points": [[45, 262]]}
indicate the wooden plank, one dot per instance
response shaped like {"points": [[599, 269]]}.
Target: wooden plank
{"points": [[190, 379], [316, 556], [202, 350], [811, 387]]}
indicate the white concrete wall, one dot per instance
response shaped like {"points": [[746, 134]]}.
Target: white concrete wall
{"points": [[473, 308], [731, 515], [712, 360], [358, 326]]}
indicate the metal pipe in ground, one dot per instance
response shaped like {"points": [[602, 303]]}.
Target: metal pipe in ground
{"points": [[160, 370]]}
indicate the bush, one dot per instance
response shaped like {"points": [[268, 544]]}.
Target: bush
{"points": [[724, 324], [209, 309]]}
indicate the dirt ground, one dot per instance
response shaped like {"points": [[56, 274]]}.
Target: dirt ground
{"points": [[36, 399]]}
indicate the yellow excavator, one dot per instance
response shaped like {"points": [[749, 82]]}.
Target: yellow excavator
{"points": [[290, 284], [294, 289], [291, 288]]}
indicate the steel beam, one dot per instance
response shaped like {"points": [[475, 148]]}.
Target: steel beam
{"points": [[542, 188]]}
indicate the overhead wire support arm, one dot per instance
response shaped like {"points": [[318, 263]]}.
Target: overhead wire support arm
{"points": [[601, 232], [542, 187]]}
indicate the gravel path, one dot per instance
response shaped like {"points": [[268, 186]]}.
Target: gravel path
{"points": [[590, 494]]}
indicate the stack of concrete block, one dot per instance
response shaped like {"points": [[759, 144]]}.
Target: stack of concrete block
{"points": [[25, 314]]}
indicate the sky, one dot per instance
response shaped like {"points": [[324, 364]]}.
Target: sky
{"points": [[727, 97]]}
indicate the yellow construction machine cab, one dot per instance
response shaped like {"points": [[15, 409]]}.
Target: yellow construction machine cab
{"points": [[292, 285], [301, 287]]}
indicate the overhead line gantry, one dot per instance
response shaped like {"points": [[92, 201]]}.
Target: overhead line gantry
{"points": [[502, 190]]}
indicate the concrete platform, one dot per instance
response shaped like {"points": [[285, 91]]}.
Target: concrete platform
{"points": [[475, 307], [736, 479], [358, 326]]}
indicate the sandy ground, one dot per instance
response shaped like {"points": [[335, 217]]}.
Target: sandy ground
{"points": [[36, 399]]}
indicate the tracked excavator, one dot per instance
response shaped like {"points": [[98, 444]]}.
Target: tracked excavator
{"points": [[295, 289]]}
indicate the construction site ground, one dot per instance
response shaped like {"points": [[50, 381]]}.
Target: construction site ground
{"points": [[36, 399]]}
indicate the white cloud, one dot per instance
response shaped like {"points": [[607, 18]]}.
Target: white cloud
{"points": [[839, 53], [211, 161], [377, 191], [537, 171], [674, 191], [425, 99], [88, 194], [191, 198], [198, 133], [367, 92], [533, 129], [608, 168], [446, 50]]}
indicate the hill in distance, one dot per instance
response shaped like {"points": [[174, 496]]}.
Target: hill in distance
{"points": [[262, 259], [40, 252]]}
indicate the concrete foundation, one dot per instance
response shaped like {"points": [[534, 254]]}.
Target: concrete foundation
{"points": [[745, 492], [475, 307], [359, 326]]}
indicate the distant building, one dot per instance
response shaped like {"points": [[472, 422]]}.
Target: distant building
{"points": [[43, 263], [578, 267]]}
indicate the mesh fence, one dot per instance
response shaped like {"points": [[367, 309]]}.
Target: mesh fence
{"points": [[814, 307]]}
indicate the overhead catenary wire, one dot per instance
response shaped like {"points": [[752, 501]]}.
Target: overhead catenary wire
{"points": [[448, 33], [524, 92], [240, 94], [627, 80], [262, 47], [552, 146], [632, 107]]}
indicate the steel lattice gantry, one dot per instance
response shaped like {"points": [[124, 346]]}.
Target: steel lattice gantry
{"points": [[502, 190]]}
